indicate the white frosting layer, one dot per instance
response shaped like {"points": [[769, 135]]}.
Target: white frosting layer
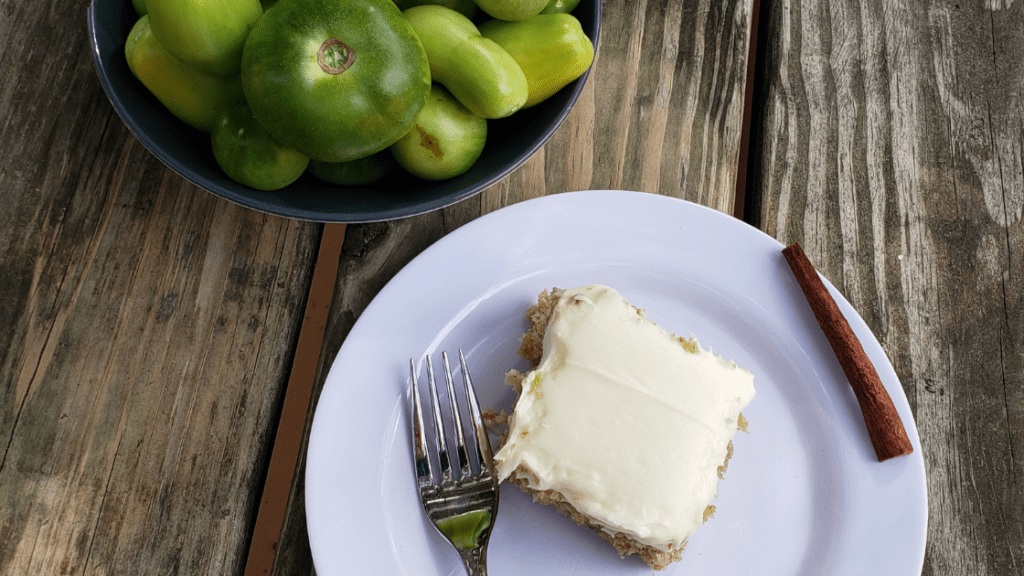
{"points": [[624, 421]]}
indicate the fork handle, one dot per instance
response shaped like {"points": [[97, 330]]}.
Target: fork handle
{"points": [[475, 561]]}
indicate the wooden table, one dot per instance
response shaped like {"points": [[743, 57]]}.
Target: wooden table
{"points": [[151, 327]]}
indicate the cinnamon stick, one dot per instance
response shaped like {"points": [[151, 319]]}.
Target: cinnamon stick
{"points": [[883, 422]]}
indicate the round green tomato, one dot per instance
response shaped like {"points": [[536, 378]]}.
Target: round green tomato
{"points": [[366, 170], [335, 80], [250, 155], [445, 141]]}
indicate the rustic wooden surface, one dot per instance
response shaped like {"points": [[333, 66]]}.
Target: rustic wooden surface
{"points": [[891, 149], [152, 325], [148, 328]]}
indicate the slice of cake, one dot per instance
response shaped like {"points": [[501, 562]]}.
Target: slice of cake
{"points": [[621, 425]]}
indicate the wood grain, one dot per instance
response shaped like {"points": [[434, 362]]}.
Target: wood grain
{"points": [[661, 112], [148, 327], [291, 423], [891, 149]]}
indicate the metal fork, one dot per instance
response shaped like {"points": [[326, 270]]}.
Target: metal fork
{"points": [[462, 503]]}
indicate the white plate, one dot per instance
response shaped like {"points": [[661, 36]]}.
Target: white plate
{"points": [[804, 493]]}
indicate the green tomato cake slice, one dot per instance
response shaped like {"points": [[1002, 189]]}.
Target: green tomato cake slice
{"points": [[621, 425]]}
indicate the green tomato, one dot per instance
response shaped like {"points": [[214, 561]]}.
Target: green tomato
{"points": [[335, 81], [445, 141], [465, 7], [365, 170], [512, 10], [477, 71], [208, 34], [249, 154], [140, 7], [191, 95], [560, 6]]}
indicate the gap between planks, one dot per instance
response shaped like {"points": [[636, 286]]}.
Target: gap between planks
{"points": [[743, 163], [298, 392]]}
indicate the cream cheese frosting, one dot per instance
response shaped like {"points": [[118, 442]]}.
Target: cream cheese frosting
{"points": [[624, 420]]}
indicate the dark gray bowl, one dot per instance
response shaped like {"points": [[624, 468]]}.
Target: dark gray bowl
{"points": [[510, 142]]}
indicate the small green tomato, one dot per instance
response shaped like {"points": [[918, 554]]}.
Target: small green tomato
{"points": [[512, 10], [207, 34], [249, 155], [465, 7], [445, 141], [560, 6]]}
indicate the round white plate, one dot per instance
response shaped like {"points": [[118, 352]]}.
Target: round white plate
{"points": [[804, 493]]}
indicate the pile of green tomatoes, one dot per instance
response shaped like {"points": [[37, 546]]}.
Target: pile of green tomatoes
{"points": [[352, 90]]}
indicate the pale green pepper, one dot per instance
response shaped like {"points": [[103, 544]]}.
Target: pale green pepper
{"points": [[551, 49], [191, 95], [476, 70]]}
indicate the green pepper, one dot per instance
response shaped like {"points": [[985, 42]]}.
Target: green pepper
{"points": [[560, 6], [476, 70], [208, 34], [552, 50], [191, 95]]}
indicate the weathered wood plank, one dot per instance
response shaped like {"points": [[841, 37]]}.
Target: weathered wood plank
{"points": [[891, 149], [661, 112], [126, 296]]}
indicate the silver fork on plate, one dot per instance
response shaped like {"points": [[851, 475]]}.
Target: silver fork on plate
{"points": [[462, 503]]}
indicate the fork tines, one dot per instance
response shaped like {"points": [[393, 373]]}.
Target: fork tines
{"points": [[462, 508], [481, 444]]}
